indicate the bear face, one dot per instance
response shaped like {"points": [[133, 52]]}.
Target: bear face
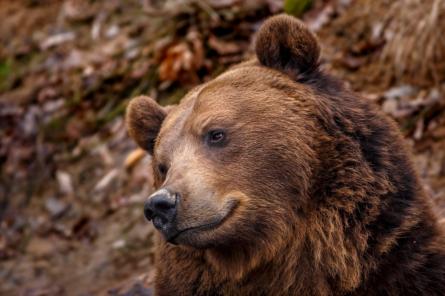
{"points": [[207, 149], [275, 180]]}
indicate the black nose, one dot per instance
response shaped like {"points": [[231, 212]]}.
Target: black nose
{"points": [[161, 206]]}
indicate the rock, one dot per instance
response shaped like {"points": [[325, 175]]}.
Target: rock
{"points": [[119, 244], [55, 207], [400, 92], [64, 181]]}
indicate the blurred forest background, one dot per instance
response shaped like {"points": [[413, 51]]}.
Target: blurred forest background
{"points": [[72, 183]]}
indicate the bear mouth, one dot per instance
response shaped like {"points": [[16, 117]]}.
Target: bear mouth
{"points": [[181, 235]]}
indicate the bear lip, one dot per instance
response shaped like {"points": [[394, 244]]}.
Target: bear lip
{"points": [[207, 226]]}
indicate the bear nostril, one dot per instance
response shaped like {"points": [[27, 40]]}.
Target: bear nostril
{"points": [[148, 213], [162, 203]]}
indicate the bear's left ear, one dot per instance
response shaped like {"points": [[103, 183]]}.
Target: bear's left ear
{"points": [[284, 43], [144, 119]]}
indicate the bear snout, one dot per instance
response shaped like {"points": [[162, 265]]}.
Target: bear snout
{"points": [[161, 208]]}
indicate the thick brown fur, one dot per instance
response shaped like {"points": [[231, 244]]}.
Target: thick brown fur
{"points": [[316, 189]]}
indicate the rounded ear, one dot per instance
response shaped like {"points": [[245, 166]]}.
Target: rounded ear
{"points": [[144, 119], [284, 43]]}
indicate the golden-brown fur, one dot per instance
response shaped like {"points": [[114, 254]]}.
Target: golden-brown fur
{"points": [[313, 192]]}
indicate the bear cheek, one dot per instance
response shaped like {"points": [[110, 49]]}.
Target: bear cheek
{"points": [[200, 205], [202, 202]]}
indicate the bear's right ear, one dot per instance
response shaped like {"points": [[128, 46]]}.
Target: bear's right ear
{"points": [[285, 43], [144, 119]]}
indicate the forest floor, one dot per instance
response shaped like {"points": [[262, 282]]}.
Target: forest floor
{"points": [[72, 183]]}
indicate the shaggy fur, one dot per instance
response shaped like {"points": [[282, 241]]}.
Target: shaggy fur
{"points": [[313, 189]]}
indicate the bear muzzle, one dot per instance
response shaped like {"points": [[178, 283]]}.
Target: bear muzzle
{"points": [[190, 224]]}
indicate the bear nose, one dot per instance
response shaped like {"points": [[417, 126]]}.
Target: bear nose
{"points": [[161, 206]]}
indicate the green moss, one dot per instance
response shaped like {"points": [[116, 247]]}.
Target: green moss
{"points": [[5, 74], [174, 97], [112, 114], [54, 130], [296, 7]]}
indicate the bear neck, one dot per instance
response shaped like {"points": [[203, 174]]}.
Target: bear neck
{"points": [[300, 264]]}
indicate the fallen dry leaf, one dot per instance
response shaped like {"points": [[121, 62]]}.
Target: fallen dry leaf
{"points": [[133, 158]]}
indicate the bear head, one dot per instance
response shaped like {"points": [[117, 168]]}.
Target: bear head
{"points": [[238, 151]]}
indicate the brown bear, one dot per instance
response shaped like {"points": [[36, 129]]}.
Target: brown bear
{"points": [[273, 179]]}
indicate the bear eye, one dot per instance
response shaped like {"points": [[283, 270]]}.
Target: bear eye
{"points": [[162, 169], [215, 137]]}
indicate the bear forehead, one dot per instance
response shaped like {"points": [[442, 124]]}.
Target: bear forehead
{"points": [[246, 93], [229, 96]]}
